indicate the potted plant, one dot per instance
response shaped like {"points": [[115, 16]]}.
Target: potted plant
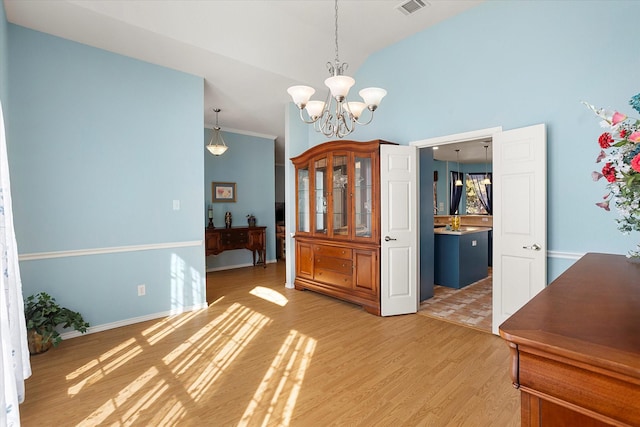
{"points": [[43, 315]]}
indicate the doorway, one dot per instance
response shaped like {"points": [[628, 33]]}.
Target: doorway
{"points": [[519, 214], [471, 305]]}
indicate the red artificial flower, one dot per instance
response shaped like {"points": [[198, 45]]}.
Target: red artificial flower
{"points": [[623, 133], [609, 172], [635, 163], [605, 140]]}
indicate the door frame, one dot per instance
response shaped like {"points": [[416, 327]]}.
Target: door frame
{"points": [[458, 138]]}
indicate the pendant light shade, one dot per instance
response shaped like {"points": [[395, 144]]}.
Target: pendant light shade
{"points": [[458, 181], [486, 180], [216, 146]]}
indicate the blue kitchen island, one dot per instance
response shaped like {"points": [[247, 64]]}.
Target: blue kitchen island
{"points": [[461, 256]]}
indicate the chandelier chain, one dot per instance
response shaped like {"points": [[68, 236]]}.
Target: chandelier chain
{"points": [[336, 33]]}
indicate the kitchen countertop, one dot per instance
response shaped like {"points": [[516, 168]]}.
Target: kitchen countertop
{"points": [[461, 231]]}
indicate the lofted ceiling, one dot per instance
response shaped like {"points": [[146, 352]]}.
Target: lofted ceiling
{"points": [[248, 52]]}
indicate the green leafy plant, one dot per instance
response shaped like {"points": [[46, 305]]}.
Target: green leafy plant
{"points": [[43, 315]]}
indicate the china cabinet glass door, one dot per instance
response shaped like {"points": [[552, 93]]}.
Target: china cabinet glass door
{"points": [[320, 195], [304, 205], [362, 196], [340, 196]]}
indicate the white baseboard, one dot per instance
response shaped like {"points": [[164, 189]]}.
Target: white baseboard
{"points": [[131, 321]]}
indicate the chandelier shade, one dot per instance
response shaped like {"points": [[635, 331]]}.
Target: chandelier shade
{"points": [[336, 116], [216, 145], [372, 96], [315, 108], [339, 86], [301, 94]]}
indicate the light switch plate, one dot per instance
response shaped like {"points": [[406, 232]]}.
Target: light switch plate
{"points": [[176, 205], [474, 243]]}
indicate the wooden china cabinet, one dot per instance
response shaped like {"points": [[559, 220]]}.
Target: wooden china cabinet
{"points": [[338, 221]]}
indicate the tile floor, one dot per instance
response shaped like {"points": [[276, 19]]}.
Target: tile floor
{"points": [[470, 306]]}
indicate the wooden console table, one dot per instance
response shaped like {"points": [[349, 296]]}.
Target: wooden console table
{"points": [[254, 239], [575, 347]]}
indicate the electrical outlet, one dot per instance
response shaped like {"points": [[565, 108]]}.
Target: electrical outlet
{"points": [[176, 205], [474, 243], [141, 290]]}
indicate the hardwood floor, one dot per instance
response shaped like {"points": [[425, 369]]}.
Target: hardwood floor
{"points": [[262, 354]]}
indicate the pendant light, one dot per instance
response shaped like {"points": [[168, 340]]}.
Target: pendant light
{"points": [[486, 180], [219, 147], [458, 181]]}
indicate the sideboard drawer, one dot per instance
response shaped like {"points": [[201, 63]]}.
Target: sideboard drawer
{"points": [[234, 238]]}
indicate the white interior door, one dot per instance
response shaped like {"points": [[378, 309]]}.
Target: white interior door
{"points": [[399, 230], [519, 219]]}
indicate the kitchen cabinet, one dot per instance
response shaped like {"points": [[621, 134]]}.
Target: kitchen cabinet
{"points": [[461, 256]]}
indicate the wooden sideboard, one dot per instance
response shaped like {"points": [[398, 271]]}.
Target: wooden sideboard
{"points": [[575, 347], [254, 239]]}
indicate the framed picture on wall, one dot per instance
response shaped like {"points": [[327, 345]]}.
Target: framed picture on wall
{"points": [[223, 191]]}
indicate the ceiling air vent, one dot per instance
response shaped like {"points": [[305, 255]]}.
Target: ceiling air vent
{"points": [[411, 6]]}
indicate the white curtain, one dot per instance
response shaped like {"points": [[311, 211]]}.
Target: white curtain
{"points": [[14, 351]]}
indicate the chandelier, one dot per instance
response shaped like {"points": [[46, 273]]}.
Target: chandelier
{"points": [[219, 147], [336, 116]]}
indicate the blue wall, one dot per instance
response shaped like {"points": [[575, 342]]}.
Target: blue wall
{"points": [[514, 64], [249, 162], [100, 146], [4, 57]]}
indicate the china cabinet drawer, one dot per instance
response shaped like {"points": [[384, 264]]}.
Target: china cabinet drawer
{"points": [[334, 278], [339, 265], [332, 251]]}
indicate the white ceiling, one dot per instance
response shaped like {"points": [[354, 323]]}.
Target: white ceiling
{"points": [[249, 52], [470, 152]]}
